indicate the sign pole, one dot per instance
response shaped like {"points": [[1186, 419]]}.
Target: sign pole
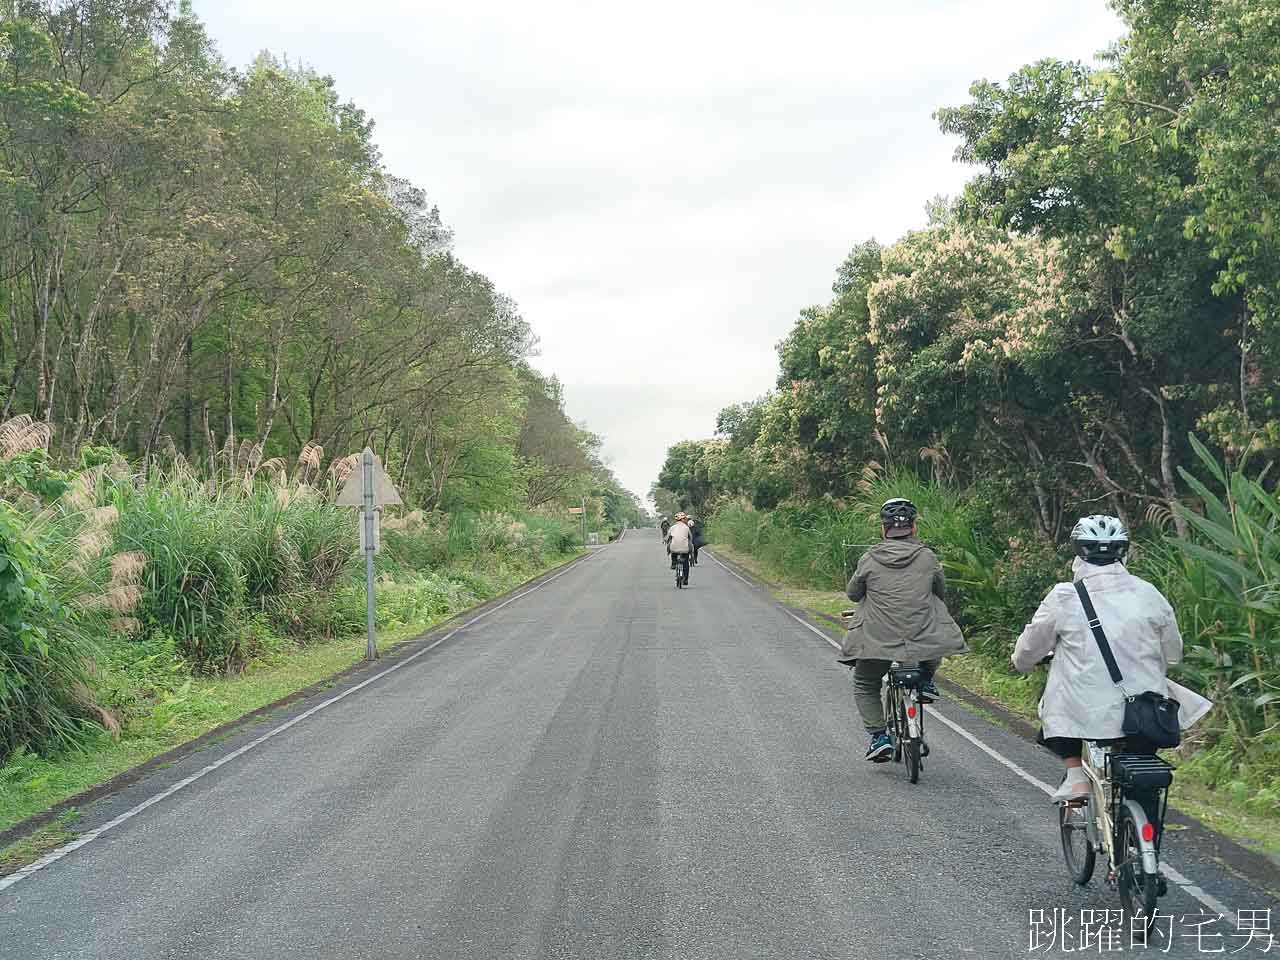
{"points": [[584, 523], [367, 518]]}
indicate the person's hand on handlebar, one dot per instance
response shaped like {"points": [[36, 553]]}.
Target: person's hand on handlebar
{"points": [[1042, 662]]}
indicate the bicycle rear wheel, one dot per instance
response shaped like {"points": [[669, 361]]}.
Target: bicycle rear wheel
{"points": [[889, 699], [1077, 851], [1139, 890], [911, 750]]}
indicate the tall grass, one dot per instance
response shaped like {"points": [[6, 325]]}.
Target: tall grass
{"points": [[187, 574], [63, 586]]}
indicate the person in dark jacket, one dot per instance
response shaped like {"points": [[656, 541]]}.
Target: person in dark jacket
{"points": [[899, 588], [664, 526], [698, 540]]}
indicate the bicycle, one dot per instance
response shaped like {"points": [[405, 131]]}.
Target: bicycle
{"points": [[680, 562], [904, 716], [1122, 817]]}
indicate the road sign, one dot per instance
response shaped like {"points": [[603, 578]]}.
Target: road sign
{"points": [[384, 491], [575, 510], [377, 531], [369, 488]]}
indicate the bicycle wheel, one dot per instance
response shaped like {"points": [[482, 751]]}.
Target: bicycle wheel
{"points": [[1138, 889], [912, 752], [889, 700], [1076, 848]]}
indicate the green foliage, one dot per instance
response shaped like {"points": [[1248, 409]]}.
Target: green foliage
{"points": [[194, 583], [1224, 579], [246, 255], [45, 648], [32, 473]]}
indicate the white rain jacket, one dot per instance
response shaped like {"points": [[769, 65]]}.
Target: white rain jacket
{"points": [[680, 538], [1080, 700]]}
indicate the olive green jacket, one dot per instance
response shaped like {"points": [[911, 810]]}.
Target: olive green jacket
{"points": [[899, 588]]}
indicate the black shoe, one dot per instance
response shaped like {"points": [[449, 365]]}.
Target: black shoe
{"points": [[929, 692]]}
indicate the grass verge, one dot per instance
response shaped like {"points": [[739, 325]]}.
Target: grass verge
{"points": [[30, 784], [31, 848]]}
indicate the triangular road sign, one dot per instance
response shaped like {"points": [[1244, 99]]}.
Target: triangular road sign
{"points": [[352, 492]]}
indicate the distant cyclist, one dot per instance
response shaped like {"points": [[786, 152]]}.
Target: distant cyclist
{"points": [[680, 543], [1081, 702], [665, 525], [899, 588]]}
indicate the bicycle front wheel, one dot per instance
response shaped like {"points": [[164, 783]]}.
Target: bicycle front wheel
{"points": [[1138, 889], [1076, 848]]}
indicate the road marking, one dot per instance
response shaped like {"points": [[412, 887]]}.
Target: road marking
{"points": [[92, 835], [1176, 876], [730, 572]]}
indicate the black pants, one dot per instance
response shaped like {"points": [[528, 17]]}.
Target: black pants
{"points": [[1068, 747]]}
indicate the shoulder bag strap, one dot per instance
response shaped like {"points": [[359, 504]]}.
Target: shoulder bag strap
{"points": [[1096, 626]]}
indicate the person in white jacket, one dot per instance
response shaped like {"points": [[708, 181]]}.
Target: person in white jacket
{"points": [[680, 544], [1080, 700]]}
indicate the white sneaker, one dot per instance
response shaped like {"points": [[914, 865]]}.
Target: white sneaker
{"points": [[1075, 786]]}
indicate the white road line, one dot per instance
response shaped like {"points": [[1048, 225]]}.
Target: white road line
{"points": [[730, 572], [92, 835], [1176, 876]]}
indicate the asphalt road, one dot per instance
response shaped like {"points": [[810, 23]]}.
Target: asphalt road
{"points": [[606, 767]]}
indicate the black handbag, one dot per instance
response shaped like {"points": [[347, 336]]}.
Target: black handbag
{"points": [[1148, 716]]}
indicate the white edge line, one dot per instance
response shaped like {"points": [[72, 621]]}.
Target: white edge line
{"points": [[1179, 878], [731, 573], [91, 835]]}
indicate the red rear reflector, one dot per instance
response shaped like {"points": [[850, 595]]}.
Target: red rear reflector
{"points": [[1148, 832], [911, 712]]}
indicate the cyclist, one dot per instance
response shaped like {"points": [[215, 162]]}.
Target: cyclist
{"points": [[665, 526], [1080, 700], [680, 543], [899, 588], [695, 527]]}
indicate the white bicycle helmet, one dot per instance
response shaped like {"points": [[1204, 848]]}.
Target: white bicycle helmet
{"points": [[1100, 539]]}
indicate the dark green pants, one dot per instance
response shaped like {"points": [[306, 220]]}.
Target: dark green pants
{"points": [[867, 676]]}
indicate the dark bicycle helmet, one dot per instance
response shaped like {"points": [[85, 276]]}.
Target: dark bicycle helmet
{"points": [[1100, 539], [897, 516]]}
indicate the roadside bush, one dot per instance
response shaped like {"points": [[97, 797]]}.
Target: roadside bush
{"points": [[323, 537], [268, 556], [62, 586], [194, 584], [43, 657]]}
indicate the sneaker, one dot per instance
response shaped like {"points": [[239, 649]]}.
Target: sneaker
{"points": [[880, 749], [1075, 787], [929, 692]]}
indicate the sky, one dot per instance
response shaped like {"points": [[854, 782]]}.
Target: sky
{"points": [[663, 187]]}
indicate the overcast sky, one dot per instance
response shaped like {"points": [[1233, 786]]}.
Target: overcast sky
{"points": [[662, 187]]}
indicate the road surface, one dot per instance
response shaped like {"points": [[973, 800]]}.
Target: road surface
{"points": [[605, 767]]}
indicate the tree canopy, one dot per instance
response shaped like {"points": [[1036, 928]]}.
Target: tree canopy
{"points": [[196, 258]]}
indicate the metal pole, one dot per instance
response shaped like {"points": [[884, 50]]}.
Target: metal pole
{"points": [[366, 465], [584, 523]]}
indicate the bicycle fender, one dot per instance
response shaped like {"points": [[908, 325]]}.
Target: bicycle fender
{"points": [[1150, 863]]}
